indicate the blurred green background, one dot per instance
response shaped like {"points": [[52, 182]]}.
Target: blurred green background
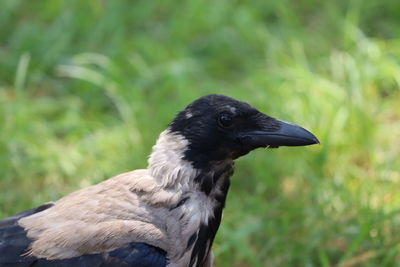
{"points": [[87, 86]]}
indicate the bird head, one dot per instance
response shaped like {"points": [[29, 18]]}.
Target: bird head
{"points": [[218, 127]]}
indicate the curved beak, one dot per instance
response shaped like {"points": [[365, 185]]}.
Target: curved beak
{"points": [[281, 134]]}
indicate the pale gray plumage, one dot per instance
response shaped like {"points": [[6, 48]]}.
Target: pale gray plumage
{"points": [[131, 207]]}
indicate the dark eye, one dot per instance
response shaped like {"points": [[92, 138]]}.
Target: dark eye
{"points": [[225, 120]]}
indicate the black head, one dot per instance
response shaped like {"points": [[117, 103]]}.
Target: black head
{"points": [[218, 127]]}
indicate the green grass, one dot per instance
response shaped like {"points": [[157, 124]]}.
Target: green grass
{"points": [[86, 87]]}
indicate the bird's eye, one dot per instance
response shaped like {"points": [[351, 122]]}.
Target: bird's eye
{"points": [[225, 120]]}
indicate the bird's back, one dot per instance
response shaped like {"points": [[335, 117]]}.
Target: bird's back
{"points": [[14, 243]]}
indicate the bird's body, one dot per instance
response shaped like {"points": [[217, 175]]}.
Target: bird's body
{"points": [[167, 214]]}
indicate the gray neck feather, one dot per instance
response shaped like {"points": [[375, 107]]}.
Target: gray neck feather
{"points": [[166, 163]]}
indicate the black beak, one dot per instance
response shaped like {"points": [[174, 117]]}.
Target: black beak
{"points": [[281, 134]]}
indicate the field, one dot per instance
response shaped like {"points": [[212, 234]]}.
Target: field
{"points": [[87, 86]]}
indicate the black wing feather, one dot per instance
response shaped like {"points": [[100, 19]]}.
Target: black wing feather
{"points": [[14, 243]]}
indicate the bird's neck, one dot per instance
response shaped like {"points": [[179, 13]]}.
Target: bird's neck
{"points": [[167, 164], [204, 189]]}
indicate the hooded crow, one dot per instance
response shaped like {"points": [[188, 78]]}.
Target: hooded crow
{"points": [[165, 215]]}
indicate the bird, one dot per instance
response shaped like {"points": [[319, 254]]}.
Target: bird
{"points": [[165, 215]]}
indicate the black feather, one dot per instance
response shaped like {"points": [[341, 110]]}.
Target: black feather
{"points": [[191, 240], [207, 232], [205, 180], [180, 203]]}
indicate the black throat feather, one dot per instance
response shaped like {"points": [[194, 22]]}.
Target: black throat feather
{"points": [[214, 184]]}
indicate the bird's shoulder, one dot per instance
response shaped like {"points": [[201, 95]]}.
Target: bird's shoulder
{"points": [[130, 207]]}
